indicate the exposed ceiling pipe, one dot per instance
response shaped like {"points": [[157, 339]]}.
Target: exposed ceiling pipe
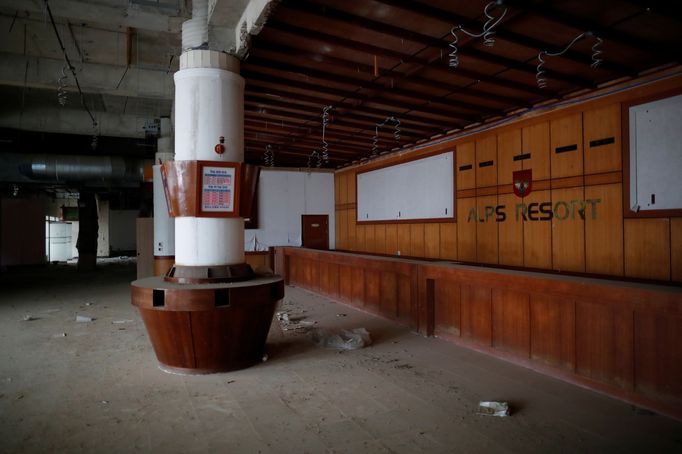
{"points": [[195, 30], [75, 168]]}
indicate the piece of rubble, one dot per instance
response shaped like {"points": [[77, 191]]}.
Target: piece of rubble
{"points": [[492, 408], [30, 318], [84, 319]]}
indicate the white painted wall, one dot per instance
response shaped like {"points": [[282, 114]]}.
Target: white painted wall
{"points": [[283, 196]]}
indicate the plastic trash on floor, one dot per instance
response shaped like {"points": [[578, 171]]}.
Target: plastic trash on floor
{"points": [[341, 340], [493, 408]]}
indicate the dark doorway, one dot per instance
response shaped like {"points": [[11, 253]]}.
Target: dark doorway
{"points": [[315, 228]]}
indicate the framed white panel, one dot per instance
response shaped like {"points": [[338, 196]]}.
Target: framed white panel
{"points": [[656, 155], [420, 189]]}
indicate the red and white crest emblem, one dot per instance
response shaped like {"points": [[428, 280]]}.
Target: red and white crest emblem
{"points": [[523, 182]]}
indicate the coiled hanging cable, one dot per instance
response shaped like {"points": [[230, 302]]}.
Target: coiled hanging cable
{"points": [[375, 139], [269, 156], [95, 136], [62, 94], [487, 33], [597, 52], [325, 123], [540, 77], [314, 155]]}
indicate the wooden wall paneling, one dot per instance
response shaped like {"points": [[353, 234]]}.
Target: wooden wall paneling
{"points": [[407, 300], [448, 240], [417, 240], [535, 142], [568, 229], [486, 156], [337, 229], [391, 239], [510, 232], [372, 301], [370, 244], [508, 147], [345, 283], [466, 229], [389, 295], [342, 229], [351, 182], [337, 188], [476, 310], [404, 239], [537, 235], [604, 229], [324, 277], [447, 308], [333, 279], [380, 238], [647, 248], [552, 330], [602, 139], [465, 157], [486, 230], [511, 321], [360, 231], [676, 249], [358, 284], [566, 146], [351, 241], [432, 240], [314, 275], [604, 340], [658, 355]]}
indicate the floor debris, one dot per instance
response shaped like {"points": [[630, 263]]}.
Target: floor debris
{"points": [[493, 408], [84, 319], [60, 335], [119, 322], [341, 339], [294, 322], [30, 318]]}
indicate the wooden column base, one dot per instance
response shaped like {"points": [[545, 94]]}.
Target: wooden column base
{"points": [[207, 328]]}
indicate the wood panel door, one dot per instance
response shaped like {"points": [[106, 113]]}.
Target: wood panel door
{"points": [[315, 228]]}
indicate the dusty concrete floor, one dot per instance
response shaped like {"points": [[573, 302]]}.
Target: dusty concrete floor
{"points": [[98, 389]]}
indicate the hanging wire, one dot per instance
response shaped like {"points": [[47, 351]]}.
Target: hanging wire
{"points": [[487, 33], [62, 94], [269, 156], [375, 139], [325, 123], [597, 52], [314, 155], [596, 56]]}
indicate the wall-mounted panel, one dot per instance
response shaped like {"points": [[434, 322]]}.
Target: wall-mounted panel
{"points": [[486, 162], [537, 234], [417, 240], [432, 240], [568, 229], [647, 248], [466, 166], [511, 321], [380, 239], [552, 330], [604, 229], [446, 308], [603, 151], [392, 239], [370, 244], [510, 232], [404, 240], [419, 189], [509, 155], [448, 241], [535, 146], [486, 230], [466, 229], [566, 146]]}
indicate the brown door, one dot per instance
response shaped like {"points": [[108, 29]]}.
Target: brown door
{"points": [[315, 228]]}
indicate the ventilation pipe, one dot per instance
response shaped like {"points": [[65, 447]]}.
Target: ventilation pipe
{"points": [[69, 168], [195, 30]]}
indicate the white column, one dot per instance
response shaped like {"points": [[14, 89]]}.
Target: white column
{"points": [[209, 104]]}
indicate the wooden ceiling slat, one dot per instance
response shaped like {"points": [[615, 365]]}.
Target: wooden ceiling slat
{"points": [[430, 41], [404, 58], [345, 142], [455, 19], [259, 64]]}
